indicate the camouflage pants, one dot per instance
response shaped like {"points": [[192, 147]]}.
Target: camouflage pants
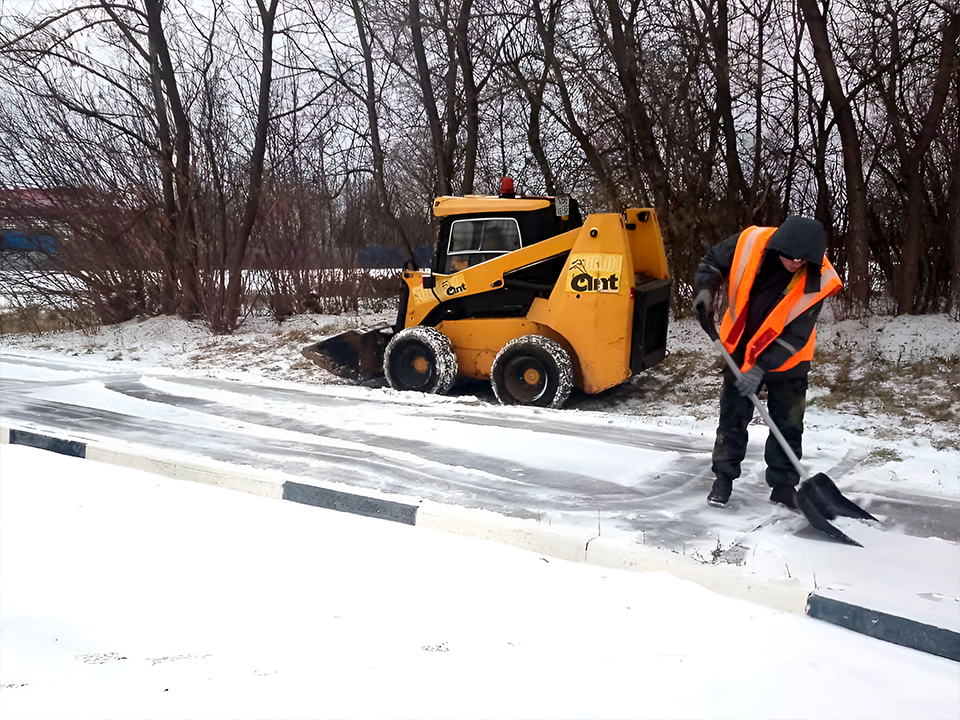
{"points": [[786, 402]]}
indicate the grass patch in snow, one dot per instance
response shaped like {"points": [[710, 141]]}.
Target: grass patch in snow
{"points": [[882, 456], [918, 392], [33, 320]]}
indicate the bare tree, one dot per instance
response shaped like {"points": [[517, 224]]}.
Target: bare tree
{"points": [[116, 68], [912, 132], [237, 250], [716, 36], [547, 23], [857, 242], [266, 135], [519, 77], [952, 211], [442, 134]]}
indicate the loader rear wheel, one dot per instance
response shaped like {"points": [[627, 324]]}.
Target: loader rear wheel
{"points": [[532, 370], [420, 358]]}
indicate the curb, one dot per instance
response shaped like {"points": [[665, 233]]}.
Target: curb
{"points": [[727, 580], [897, 630]]}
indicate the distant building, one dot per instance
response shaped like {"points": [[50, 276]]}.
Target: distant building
{"points": [[28, 220]]}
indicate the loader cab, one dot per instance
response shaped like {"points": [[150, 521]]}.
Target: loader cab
{"points": [[475, 230], [476, 240]]}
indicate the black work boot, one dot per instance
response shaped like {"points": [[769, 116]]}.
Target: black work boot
{"points": [[720, 493], [785, 495]]}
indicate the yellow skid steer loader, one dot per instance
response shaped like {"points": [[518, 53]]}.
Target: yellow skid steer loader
{"points": [[524, 293]]}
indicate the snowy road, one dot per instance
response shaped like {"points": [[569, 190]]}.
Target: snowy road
{"points": [[562, 467]]}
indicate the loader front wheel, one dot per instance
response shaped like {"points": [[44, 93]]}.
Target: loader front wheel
{"points": [[420, 358], [532, 370]]}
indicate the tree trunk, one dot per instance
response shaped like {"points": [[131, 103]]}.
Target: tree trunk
{"points": [[858, 224], [444, 183], [758, 192], [794, 127], [534, 139], [597, 165], [718, 33], [183, 219], [638, 126], [238, 252], [171, 281], [471, 99], [373, 120], [953, 216], [912, 264], [533, 91]]}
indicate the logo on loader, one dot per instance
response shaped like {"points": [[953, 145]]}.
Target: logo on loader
{"points": [[594, 273], [453, 285]]}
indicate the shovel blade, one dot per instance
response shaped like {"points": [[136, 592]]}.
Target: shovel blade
{"points": [[831, 498], [810, 504]]}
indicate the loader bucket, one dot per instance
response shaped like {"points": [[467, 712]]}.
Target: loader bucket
{"points": [[353, 354]]}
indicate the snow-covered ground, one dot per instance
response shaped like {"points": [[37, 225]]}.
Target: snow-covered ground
{"points": [[884, 410], [916, 358], [126, 595]]}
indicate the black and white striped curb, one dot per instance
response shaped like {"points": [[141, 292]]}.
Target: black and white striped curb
{"points": [[728, 580]]}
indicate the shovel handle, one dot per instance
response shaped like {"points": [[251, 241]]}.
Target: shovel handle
{"points": [[788, 451]]}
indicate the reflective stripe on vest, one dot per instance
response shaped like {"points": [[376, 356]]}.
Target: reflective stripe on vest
{"points": [[746, 262]]}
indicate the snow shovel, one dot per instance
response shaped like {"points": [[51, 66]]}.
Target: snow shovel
{"points": [[818, 497]]}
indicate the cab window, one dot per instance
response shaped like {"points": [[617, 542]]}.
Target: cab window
{"points": [[475, 241]]}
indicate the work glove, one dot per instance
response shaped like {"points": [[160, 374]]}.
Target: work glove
{"points": [[703, 306], [749, 381]]}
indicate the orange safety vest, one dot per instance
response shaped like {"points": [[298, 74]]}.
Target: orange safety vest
{"points": [[746, 261]]}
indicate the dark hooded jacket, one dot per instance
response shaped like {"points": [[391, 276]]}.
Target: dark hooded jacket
{"points": [[796, 238]]}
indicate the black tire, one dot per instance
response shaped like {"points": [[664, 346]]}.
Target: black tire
{"points": [[420, 358], [532, 370]]}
